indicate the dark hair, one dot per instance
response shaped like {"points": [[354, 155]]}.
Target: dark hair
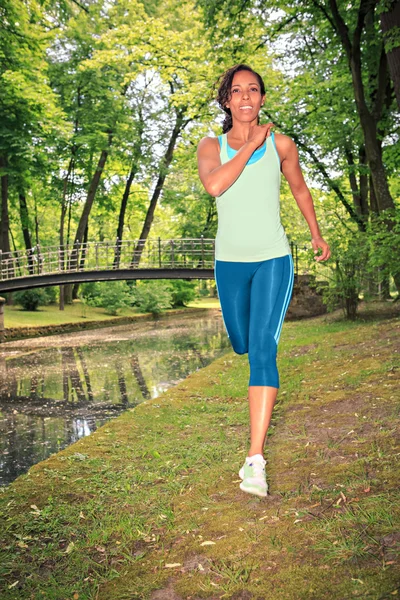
{"points": [[224, 91]]}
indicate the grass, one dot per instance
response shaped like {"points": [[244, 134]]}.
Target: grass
{"points": [[149, 507], [14, 316]]}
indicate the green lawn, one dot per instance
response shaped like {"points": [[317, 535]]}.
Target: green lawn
{"points": [[151, 500], [14, 316]]}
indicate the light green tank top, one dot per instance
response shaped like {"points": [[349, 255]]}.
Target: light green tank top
{"points": [[249, 223]]}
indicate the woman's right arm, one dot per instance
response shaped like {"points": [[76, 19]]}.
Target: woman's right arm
{"points": [[217, 178]]}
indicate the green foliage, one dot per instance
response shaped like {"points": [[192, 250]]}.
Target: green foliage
{"points": [[89, 289], [31, 299], [383, 233], [51, 294], [111, 295], [182, 292], [204, 291], [347, 268], [362, 259], [153, 296]]}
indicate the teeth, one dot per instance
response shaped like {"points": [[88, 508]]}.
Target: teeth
{"points": [[244, 107]]}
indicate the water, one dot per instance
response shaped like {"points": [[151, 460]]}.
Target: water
{"points": [[57, 389]]}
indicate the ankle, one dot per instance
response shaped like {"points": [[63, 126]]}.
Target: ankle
{"points": [[257, 451]]}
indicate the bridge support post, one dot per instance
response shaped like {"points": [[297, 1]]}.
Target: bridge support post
{"points": [[2, 303]]}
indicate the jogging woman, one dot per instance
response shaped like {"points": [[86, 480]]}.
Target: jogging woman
{"points": [[253, 263]]}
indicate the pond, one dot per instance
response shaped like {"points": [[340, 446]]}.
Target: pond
{"points": [[57, 389]]}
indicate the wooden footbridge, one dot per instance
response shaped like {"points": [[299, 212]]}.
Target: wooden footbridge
{"points": [[183, 258]]}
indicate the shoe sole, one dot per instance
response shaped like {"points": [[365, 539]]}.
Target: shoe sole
{"points": [[254, 491]]}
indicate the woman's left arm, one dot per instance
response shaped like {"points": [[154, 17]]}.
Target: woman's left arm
{"points": [[292, 171]]}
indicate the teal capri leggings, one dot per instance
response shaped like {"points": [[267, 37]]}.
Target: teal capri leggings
{"points": [[254, 298]]}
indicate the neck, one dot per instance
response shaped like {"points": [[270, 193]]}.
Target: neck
{"points": [[241, 131]]}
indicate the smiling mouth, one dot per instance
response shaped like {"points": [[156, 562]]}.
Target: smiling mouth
{"points": [[246, 107]]}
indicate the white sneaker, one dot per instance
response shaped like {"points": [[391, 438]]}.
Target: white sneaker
{"points": [[253, 475]]}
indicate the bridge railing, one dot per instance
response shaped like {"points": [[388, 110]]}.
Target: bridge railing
{"points": [[88, 256], [153, 253]]}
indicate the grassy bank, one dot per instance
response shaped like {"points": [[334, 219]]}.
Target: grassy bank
{"points": [[149, 506], [14, 316]]}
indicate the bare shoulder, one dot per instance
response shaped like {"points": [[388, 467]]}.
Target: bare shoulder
{"points": [[286, 148], [208, 145], [284, 142]]}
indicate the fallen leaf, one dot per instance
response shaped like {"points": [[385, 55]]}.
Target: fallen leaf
{"points": [[70, 547], [207, 543], [13, 584]]}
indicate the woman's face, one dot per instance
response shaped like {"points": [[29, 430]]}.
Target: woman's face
{"points": [[246, 99]]}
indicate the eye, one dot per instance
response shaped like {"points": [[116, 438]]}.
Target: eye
{"points": [[254, 89], [235, 90]]}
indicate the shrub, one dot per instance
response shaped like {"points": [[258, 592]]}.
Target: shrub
{"points": [[182, 292], [31, 299], [384, 244], [51, 294], [153, 296], [347, 265], [110, 295]]}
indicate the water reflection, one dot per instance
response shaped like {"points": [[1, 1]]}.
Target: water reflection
{"points": [[58, 389]]}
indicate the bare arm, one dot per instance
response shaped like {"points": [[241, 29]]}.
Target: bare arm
{"points": [[292, 172], [217, 178]]}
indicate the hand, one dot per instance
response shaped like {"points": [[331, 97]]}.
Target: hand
{"points": [[258, 133], [319, 242]]}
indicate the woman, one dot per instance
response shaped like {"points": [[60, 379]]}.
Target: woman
{"points": [[253, 262]]}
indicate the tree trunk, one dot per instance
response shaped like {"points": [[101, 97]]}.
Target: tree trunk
{"points": [[390, 23], [137, 148], [92, 190], [379, 189], [62, 220], [24, 216], [4, 217], [180, 124], [74, 257], [121, 218], [359, 190], [81, 262]]}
